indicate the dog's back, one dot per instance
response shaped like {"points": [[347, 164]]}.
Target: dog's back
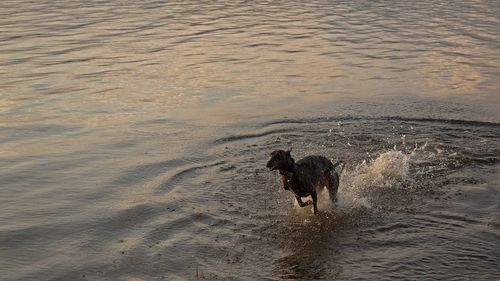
{"points": [[315, 164], [311, 169]]}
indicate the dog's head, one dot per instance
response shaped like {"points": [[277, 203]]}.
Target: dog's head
{"points": [[280, 160]]}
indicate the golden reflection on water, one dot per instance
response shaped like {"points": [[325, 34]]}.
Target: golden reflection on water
{"points": [[84, 67], [455, 73], [112, 72]]}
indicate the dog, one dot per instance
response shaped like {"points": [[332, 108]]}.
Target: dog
{"points": [[307, 176]]}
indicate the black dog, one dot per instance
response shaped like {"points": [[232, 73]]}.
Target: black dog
{"points": [[307, 176]]}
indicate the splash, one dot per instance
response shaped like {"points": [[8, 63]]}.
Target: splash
{"points": [[389, 169], [349, 200]]}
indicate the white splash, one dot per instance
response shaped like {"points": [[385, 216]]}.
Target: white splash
{"points": [[389, 169], [348, 200]]}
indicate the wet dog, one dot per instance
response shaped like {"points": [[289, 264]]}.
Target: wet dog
{"points": [[306, 177]]}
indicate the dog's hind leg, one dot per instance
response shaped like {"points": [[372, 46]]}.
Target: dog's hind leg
{"points": [[333, 185], [314, 197], [302, 204]]}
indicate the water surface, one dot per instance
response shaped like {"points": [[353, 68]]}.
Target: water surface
{"points": [[134, 136]]}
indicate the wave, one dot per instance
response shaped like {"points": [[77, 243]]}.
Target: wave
{"points": [[382, 118]]}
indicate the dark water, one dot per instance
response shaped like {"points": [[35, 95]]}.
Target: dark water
{"points": [[134, 136]]}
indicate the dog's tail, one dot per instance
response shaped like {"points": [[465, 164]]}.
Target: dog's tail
{"points": [[339, 163]]}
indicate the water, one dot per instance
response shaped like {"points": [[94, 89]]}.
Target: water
{"points": [[134, 137]]}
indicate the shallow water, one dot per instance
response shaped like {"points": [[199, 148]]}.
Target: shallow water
{"points": [[134, 137]]}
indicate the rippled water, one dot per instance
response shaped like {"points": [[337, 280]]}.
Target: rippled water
{"points": [[134, 136]]}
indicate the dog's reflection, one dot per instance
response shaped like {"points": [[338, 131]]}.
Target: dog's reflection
{"points": [[313, 247]]}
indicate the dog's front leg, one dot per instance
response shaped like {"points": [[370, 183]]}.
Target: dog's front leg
{"points": [[284, 182], [302, 204]]}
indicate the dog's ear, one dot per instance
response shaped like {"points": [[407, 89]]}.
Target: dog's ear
{"points": [[288, 151]]}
